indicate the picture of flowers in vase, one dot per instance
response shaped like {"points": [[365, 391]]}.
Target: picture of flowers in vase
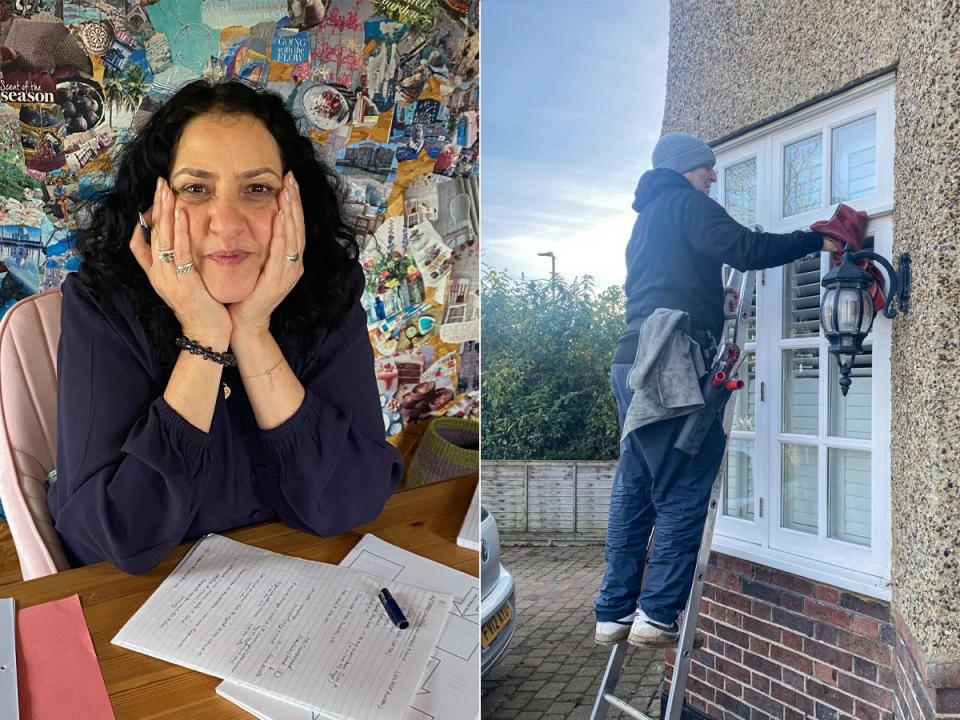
{"points": [[393, 284]]}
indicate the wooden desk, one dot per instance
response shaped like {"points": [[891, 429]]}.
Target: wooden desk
{"points": [[424, 520]]}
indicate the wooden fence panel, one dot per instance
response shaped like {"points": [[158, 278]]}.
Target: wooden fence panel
{"points": [[593, 499], [503, 492], [541, 500]]}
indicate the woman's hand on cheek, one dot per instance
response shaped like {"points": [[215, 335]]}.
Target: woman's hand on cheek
{"points": [[201, 317], [282, 270]]}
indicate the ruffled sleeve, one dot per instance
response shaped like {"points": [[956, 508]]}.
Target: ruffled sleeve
{"points": [[329, 465], [131, 471]]}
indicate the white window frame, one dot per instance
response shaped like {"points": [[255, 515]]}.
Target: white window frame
{"points": [[843, 564]]}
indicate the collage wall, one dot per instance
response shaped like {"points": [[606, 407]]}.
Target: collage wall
{"points": [[388, 90]]}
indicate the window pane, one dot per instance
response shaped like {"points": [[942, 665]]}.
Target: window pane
{"points": [[801, 374], [740, 191], [854, 160], [848, 483], [799, 511], [745, 400], [738, 480], [802, 175], [801, 297], [850, 415]]}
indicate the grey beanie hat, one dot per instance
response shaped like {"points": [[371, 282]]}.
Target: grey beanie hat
{"points": [[681, 152]]}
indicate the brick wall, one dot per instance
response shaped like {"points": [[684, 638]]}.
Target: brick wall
{"points": [[780, 646], [924, 690]]}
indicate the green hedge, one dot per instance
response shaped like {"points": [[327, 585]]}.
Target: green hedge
{"points": [[546, 369]]}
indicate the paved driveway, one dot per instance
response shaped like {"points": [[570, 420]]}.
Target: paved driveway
{"points": [[552, 669]]}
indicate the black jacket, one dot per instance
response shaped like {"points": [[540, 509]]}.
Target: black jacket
{"points": [[680, 242]]}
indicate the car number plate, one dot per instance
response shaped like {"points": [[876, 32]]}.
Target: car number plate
{"points": [[493, 626]]}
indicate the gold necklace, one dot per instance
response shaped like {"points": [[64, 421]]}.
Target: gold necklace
{"points": [[226, 391]]}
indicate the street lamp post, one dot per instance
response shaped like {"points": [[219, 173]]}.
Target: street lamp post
{"points": [[553, 272]]}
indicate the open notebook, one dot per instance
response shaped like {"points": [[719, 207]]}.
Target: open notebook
{"points": [[450, 686], [312, 634]]}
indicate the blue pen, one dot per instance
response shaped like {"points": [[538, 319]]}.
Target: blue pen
{"points": [[393, 610]]}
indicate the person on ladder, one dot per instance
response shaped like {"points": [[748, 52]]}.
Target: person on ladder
{"points": [[680, 242]]}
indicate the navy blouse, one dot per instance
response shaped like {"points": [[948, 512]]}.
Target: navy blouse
{"points": [[135, 479]]}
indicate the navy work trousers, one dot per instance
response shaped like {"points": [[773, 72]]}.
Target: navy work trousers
{"points": [[655, 485]]}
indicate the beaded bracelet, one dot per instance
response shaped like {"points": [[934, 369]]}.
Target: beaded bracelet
{"points": [[207, 353]]}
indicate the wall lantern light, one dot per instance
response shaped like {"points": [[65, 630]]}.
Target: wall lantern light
{"points": [[846, 309]]}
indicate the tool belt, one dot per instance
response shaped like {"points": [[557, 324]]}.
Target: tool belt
{"points": [[708, 345]]}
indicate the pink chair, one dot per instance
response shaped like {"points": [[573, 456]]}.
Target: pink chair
{"points": [[29, 334]]}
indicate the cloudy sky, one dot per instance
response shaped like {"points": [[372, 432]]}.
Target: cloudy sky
{"points": [[572, 98]]}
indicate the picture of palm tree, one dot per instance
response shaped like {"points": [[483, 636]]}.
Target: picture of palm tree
{"points": [[124, 89], [112, 91], [134, 86]]}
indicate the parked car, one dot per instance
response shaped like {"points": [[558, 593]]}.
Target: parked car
{"points": [[498, 608]]}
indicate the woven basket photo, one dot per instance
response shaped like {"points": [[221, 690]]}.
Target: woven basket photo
{"points": [[450, 447]]}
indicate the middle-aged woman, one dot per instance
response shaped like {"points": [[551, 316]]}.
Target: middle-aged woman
{"points": [[214, 366]]}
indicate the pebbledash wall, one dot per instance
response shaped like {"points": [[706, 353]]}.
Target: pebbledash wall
{"points": [[779, 645]]}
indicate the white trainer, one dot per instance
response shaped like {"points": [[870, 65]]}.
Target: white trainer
{"points": [[614, 631], [650, 633]]}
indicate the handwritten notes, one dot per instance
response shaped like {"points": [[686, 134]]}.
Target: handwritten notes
{"points": [[311, 633], [450, 686]]}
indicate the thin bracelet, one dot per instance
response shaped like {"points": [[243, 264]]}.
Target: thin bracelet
{"points": [[266, 372], [207, 353]]}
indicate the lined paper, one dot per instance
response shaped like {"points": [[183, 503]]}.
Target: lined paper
{"points": [[450, 686], [308, 632]]}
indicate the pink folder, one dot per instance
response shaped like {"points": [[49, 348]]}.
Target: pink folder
{"points": [[58, 675]]}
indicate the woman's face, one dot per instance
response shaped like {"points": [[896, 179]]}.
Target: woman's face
{"points": [[226, 173]]}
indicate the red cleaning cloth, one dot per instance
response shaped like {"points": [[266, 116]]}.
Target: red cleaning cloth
{"points": [[849, 227]]}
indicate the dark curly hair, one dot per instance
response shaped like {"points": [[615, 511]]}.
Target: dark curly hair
{"points": [[322, 296]]}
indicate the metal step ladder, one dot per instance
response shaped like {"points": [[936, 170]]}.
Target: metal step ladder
{"points": [[737, 324]]}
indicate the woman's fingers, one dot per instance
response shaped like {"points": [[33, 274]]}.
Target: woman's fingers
{"points": [[284, 240], [159, 228], [181, 239], [278, 241], [164, 231], [296, 206], [288, 227], [140, 249]]}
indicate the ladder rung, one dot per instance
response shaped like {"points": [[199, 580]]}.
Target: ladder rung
{"points": [[623, 707]]}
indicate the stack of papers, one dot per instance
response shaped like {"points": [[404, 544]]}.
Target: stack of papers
{"points": [[449, 688], [302, 639]]}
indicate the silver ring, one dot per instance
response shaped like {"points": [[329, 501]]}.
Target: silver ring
{"points": [[293, 258], [185, 268], [166, 256]]}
